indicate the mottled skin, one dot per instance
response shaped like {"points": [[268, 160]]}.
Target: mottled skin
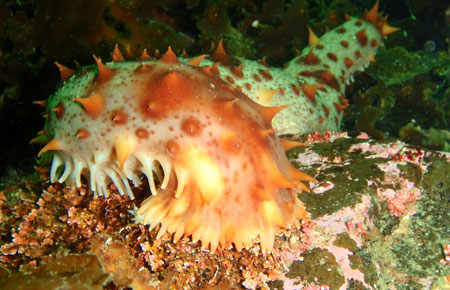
{"points": [[225, 175]]}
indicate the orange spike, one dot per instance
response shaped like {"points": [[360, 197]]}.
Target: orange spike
{"points": [[311, 59], [301, 185], [339, 107], [386, 29], [40, 139], [42, 103], [264, 62], [215, 69], [64, 71], [267, 132], [93, 104], [169, 56], [196, 61], [269, 112], [265, 96], [310, 91], [45, 116], [372, 14], [124, 146], [104, 73], [313, 39], [280, 180], [59, 110], [371, 58], [117, 55], [220, 53], [41, 132], [144, 55], [184, 53], [289, 144], [83, 133], [298, 175], [347, 17], [237, 71], [55, 144]]}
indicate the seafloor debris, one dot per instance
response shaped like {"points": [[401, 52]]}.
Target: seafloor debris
{"points": [[379, 220]]}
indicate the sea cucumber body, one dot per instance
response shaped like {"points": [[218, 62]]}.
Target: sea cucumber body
{"points": [[224, 172]]}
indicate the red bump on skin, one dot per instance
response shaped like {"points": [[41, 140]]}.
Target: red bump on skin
{"points": [[374, 43], [341, 30], [326, 111], [306, 73], [172, 147], [359, 23], [141, 133], [119, 117], [144, 68], [237, 71], [319, 46], [265, 74], [230, 80], [311, 59], [59, 110], [362, 37], [248, 86], [358, 54], [295, 89], [256, 77], [83, 133], [231, 144], [104, 73], [330, 80], [344, 43], [310, 91], [332, 56], [348, 62], [191, 126]]}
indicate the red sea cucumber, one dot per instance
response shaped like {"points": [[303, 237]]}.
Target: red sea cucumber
{"points": [[225, 175]]}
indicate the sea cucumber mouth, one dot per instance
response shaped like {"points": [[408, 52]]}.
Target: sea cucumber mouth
{"points": [[101, 173]]}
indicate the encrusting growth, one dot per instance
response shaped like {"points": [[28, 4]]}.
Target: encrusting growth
{"points": [[202, 132]]}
